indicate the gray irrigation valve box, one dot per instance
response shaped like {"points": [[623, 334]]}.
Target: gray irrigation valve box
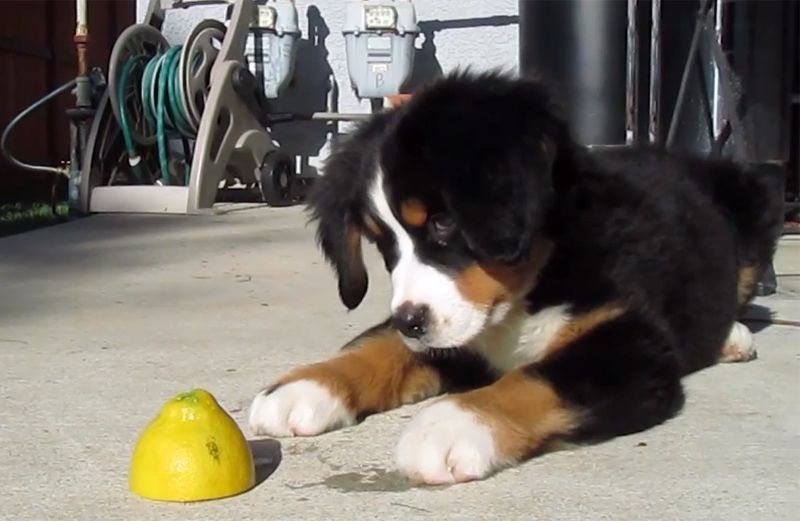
{"points": [[272, 44], [379, 39]]}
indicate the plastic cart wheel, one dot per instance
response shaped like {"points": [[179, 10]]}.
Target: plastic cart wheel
{"points": [[277, 178]]}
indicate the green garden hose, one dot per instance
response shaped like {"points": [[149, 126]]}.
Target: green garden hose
{"points": [[134, 159], [162, 104]]}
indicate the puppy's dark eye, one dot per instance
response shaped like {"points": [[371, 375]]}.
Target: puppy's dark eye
{"points": [[441, 227]]}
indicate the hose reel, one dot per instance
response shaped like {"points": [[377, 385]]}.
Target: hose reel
{"points": [[209, 95], [178, 123], [158, 92]]}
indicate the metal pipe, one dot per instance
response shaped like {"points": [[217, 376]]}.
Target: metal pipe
{"points": [[81, 38], [742, 143], [704, 101], [632, 75], [288, 117], [80, 15], [681, 99], [339, 116], [716, 113], [655, 74], [83, 88], [22, 115]]}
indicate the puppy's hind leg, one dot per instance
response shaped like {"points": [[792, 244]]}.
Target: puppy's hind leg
{"points": [[739, 346]]}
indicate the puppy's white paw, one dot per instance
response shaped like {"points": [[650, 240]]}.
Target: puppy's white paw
{"points": [[446, 444], [739, 347], [301, 408]]}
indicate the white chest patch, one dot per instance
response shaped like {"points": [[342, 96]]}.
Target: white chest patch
{"points": [[521, 339]]}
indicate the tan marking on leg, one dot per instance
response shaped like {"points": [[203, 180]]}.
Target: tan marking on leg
{"points": [[413, 212], [524, 413], [419, 384], [582, 325], [487, 284], [377, 374], [748, 279]]}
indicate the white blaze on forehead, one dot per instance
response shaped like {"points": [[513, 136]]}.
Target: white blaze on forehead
{"points": [[412, 280], [454, 319]]}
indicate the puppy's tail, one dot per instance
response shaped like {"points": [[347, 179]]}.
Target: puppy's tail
{"points": [[752, 198]]}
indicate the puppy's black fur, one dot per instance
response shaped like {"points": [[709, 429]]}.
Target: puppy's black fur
{"points": [[668, 236]]}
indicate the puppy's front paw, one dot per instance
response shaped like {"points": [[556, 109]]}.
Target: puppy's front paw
{"points": [[299, 408], [444, 444]]}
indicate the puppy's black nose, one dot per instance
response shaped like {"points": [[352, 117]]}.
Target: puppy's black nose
{"points": [[411, 320]]}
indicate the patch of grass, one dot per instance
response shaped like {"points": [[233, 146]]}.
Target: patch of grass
{"points": [[23, 217]]}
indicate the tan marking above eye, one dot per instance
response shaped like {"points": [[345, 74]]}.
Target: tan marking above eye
{"points": [[413, 212], [487, 284]]}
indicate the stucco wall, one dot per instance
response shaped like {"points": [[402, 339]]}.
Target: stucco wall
{"points": [[480, 34], [454, 34]]}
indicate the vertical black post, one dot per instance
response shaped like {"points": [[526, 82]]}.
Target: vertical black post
{"points": [[654, 103], [581, 46], [632, 75]]}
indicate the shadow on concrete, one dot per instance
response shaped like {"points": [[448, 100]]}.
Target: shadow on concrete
{"points": [[108, 251], [757, 317], [311, 89], [267, 456]]}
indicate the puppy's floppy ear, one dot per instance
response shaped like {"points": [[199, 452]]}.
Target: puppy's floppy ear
{"points": [[337, 201], [333, 202], [340, 240]]}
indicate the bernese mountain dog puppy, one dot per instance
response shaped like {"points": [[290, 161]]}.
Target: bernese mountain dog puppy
{"points": [[552, 293]]}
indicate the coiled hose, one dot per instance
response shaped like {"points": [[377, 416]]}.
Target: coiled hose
{"points": [[162, 105]]}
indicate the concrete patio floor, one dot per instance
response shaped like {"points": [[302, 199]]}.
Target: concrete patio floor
{"points": [[105, 318]]}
